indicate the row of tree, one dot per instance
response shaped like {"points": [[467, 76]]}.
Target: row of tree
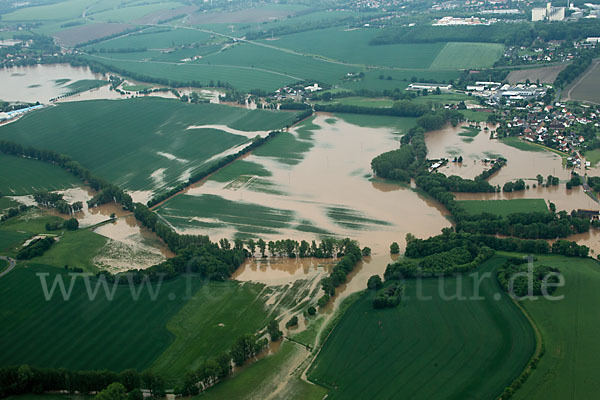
{"points": [[56, 201], [221, 163], [351, 256], [36, 248], [107, 191]]}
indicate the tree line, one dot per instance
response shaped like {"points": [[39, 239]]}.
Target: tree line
{"points": [[576, 68], [351, 256], [256, 142], [107, 192], [402, 108]]}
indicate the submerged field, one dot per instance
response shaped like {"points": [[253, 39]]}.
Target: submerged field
{"points": [[428, 348], [311, 182], [143, 144], [568, 326]]}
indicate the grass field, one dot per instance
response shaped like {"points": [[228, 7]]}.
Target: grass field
{"points": [[593, 156], [428, 348], [3, 265], [569, 326], [10, 240], [504, 207], [140, 144], [29, 176], [379, 121], [467, 55], [469, 132], [75, 249], [6, 203], [82, 334], [521, 144], [86, 84], [171, 334], [209, 323]]}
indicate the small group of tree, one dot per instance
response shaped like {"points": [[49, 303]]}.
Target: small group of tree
{"points": [[273, 330], [417, 248], [374, 282], [71, 224], [36, 248], [574, 181], [533, 225], [389, 296], [23, 379], [394, 248], [292, 322], [352, 255], [498, 164], [516, 279], [516, 186], [13, 212]]}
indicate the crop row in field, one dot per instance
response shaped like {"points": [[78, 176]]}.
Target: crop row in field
{"points": [[172, 333], [22, 176], [426, 349], [141, 144]]}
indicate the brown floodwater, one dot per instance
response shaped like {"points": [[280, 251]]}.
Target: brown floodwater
{"points": [[281, 270], [447, 143], [335, 173]]}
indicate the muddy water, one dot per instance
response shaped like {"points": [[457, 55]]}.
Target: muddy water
{"points": [[38, 82], [521, 164], [278, 271], [336, 173]]}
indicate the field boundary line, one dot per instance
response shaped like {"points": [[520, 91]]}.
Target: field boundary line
{"points": [[540, 348]]}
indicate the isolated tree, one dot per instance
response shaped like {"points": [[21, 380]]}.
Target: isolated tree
{"points": [[311, 310], [273, 330], [262, 245], [71, 224], [374, 282], [366, 251], [135, 394], [251, 246], [552, 207], [292, 322], [114, 391], [394, 248]]}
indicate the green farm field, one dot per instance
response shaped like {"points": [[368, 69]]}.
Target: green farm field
{"points": [[29, 176], [352, 46], [209, 323], [467, 55], [568, 326], [53, 333], [428, 348], [141, 144], [157, 38], [504, 207]]}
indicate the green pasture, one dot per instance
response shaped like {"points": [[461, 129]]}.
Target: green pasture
{"points": [[457, 55]]}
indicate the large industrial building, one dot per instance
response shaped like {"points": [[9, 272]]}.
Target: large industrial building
{"points": [[549, 13]]}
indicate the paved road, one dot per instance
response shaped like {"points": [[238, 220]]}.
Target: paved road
{"points": [[11, 264]]}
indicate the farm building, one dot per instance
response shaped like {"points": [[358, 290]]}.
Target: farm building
{"points": [[429, 87]]}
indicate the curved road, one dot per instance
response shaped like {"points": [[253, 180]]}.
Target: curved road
{"points": [[11, 264]]}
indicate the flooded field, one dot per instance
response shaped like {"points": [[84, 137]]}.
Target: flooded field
{"points": [[47, 81], [40, 82], [449, 143], [323, 187], [130, 246]]}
